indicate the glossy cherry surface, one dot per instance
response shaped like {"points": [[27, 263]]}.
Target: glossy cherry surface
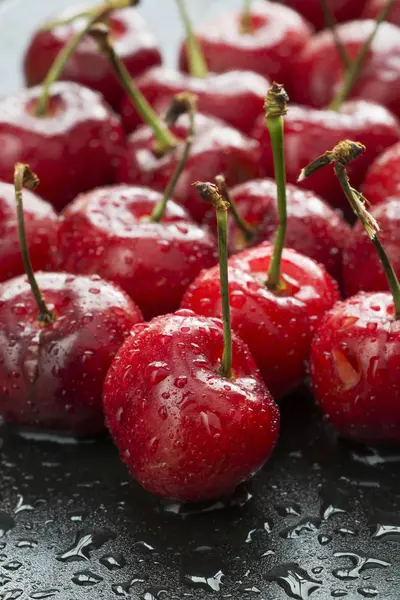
{"points": [[276, 326], [108, 232], [133, 42], [355, 367], [217, 149], [309, 132], [362, 269], [184, 431], [52, 375], [374, 7], [236, 97], [277, 34], [383, 177], [343, 10], [41, 224], [318, 71], [74, 148]]}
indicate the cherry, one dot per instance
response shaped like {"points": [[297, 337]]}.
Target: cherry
{"points": [[59, 334], [355, 352], [135, 45], [383, 177], [361, 267], [263, 38], [186, 405], [342, 10], [373, 8], [41, 224], [74, 145]]}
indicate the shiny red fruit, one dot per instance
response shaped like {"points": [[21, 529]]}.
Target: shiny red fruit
{"points": [[355, 368], [108, 232], [343, 10], [52, 375], [41, 224], [309, 132], [217, 149], [186, 432], [74, 148], [236, 97], [278, 35], [362, 269], [318, 71], [383, 177], [374, 7], [133, 42], [276, 326]]}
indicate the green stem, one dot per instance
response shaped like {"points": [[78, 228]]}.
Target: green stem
{"points": [[58, 66], [245, 20], [241, 223], [197, 63], [391, 276], [356, 66], [165, 139], [23, 177], [331, 24], [210, 193]]}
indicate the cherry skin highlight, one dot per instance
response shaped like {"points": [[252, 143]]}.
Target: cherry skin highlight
{"points": [[309, 132], [355, 366], [186, 432], [109, 232], [383, 177], [374, 7], [52, 375], [41, 223], [276, 326], [75, 147], [236, 97], [217, 149], [133, 41], [362, 269], [343, 10]]}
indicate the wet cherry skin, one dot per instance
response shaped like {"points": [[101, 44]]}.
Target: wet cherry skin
{"points": [[186, 432], [343, 10], [278, 34], [236, 97], [276, 326], [217, 149], [309, 132], [313, 227], [374, 7], [41, 224], [52, 375], [72, 149], [107, 231], [355, 367], [383, 177], [362, 269], [317, 71], [133, 42]]}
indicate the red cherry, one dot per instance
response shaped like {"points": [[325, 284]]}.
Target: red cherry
{"points": [[277, 326], [185, 431], [52, 375], [374, 7], [74, 146], [383, 177], [277, 34], [134, 43], [236, 97], [308, 132], [318, 71], [343, 10], [41, 224], [217, 148], [109, 232], [355, 365], [362, 269]]}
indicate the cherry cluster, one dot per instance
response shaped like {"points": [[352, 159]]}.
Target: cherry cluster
{"points": [[184, 266]]}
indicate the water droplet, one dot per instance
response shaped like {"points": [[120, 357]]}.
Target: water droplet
{"points": [[203, 570], [27, 543], [285, 510], [157, 371], [324, 539], [387, 528], [86, 578], [345, 531], [113, 561], [11, 594], [13, 565], [306, 525], [335, 500], [368, 592], [295, 581], [85, 541], [22, 506], [154, 593], [44, 594], [339, 593], [6, 523], [360, 564]]}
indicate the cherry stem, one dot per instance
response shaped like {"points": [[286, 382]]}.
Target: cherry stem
{"points": [[93, 16], [23, 177], [210, 193], [356, 66], [275, 109], [341, 155], [247, 230], [245, 19], [182, 103], [197, 63], [331, 24], [165, 139]]}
